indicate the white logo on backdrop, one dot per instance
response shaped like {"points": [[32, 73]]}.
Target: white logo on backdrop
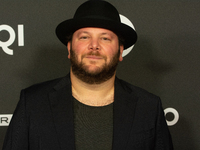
{"points": [[127, 22], [176, 116], [5, 119], [5, 45]]}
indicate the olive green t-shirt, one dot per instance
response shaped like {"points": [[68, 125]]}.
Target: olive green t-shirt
{"points": [[93, 126]]}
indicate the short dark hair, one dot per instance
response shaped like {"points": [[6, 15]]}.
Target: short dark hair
{"points": [[121, 40], [69, 38]]}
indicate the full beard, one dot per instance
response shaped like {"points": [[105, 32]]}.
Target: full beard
{"points": [[100, 75]]}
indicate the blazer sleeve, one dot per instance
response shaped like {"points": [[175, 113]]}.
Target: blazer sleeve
{"points": [[163, 138], [17, 133]]}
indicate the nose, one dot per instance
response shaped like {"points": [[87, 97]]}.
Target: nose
{"points": [[94, 44]]}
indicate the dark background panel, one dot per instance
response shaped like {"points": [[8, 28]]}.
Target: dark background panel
{"points": [[164, 61]]}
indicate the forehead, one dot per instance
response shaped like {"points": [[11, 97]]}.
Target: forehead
{"points": [[93, 30]]}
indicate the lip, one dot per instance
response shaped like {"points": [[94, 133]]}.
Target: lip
{"points": [[94, 57]]}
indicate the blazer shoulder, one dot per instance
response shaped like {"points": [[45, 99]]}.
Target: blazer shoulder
{"points": [[135, 90], [46, 86], [36, 97]]}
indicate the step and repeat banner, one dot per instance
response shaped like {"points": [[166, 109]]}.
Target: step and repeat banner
{"points": [[165, 60]]}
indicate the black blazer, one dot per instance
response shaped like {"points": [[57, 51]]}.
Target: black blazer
{"points": [[43, 119]]}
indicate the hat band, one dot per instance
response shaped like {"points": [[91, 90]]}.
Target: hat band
{"points": [[98, 18]]}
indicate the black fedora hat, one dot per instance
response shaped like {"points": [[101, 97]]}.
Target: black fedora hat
{"points": [[96, 13]]}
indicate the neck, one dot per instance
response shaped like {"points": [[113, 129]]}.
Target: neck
{"points": [[93, 94]]}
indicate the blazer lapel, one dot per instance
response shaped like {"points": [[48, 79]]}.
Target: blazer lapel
{"points": [[124, 108], [62, 112]]}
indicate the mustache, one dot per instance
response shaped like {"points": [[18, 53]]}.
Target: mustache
{"points": [[94, 53]]}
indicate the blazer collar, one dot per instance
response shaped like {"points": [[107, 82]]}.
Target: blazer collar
{"points": [[62, 111]]}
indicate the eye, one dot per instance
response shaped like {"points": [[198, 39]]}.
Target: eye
{"points": [[105, 39], [84, 37]]}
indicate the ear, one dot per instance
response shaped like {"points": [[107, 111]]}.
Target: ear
{"points": [[68, 48], [121, 48]]}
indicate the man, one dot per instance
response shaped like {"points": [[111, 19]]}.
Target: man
{"points": [[90, 108]]}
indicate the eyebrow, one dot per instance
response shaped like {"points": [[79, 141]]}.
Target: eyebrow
{"points": [[82, 32], [105, 33], [86, 32]]}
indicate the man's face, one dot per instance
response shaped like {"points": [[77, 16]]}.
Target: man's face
{"points": [[94, 54]]}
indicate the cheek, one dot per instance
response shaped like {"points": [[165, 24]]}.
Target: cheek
{"points": [[78, 50], [113, 51]]}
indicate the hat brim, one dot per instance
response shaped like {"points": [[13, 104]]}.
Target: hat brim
{"points": [[68, 27]]}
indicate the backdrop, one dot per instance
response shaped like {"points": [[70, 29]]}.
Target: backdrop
{"points": [[165, 59]]}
